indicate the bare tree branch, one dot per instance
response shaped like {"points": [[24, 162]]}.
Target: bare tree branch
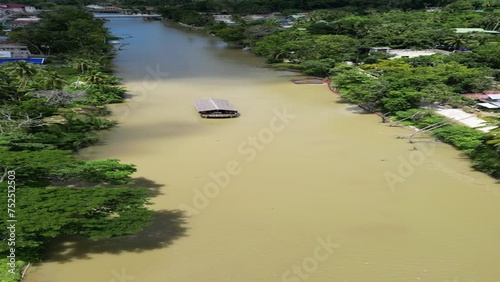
{"points": [[5, 171], [60, 97], [9, 122]]}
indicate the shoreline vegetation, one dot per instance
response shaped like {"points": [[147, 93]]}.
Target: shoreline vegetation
{"points": [[47, 114], [336, 43]]}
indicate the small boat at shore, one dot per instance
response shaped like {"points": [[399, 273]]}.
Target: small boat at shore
{"points": [[215, 108]]}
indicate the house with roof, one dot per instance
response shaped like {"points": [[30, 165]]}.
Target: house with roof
{"points": [[494, 99], [19, 22], [224, 18], [487, 99], [26, 21], [433, 9], [13, 9], [477, 30], [16, 53], [407, 53]]}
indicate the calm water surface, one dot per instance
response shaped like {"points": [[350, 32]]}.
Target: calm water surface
{"points": [[296, 189]]}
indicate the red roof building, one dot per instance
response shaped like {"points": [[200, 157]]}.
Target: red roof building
{"points": [[479, 96], [16, 8]]}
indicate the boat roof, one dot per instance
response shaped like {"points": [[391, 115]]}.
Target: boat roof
{"points": [[211, 104]]}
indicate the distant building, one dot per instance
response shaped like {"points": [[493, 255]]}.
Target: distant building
{"points": [[223, 18], [476, 96], [487, 99], [478, 30], [105, 9], [433, 9], [407, 53], [297, 16], [255, 17], [379, 49], [26, 21], [12, 9], [95, 7], [494, 97], [14, 51], [20, 22]]}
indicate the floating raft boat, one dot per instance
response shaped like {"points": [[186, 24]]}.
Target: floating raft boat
{"points": [[215, 108]]}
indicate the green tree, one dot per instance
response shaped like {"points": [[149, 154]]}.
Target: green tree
{"points": [[488, 54], [494, 137], [82, 65], [65, 30], [458, 41], [23, 71], [96, 213], [337, 47], [49, 80]]}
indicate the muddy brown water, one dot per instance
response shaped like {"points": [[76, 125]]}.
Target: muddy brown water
{"points": [[299, 188]]}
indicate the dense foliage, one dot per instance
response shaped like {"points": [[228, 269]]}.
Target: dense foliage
{"points": [[48, 112], [64, 30]]}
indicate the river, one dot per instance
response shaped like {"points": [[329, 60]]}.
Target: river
{"points": [[300, 188]]}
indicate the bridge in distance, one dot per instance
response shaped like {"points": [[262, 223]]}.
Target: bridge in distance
{"points": [[107, 16]]}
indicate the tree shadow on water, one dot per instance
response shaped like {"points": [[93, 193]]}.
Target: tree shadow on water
{"points": [[356, 109], [154, 188], [166, 227]]}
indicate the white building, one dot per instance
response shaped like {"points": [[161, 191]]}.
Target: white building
{"points": [[408, 53], [11, 51], [223, 19]]}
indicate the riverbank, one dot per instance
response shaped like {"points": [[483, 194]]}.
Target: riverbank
{"points": [[294, 160], [49, 113]]}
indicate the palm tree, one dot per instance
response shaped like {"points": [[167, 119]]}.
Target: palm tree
{"points": [[7, 87], [97, 77], [23, 71], [82, 65], [51, 80], [457, 41], [495, 141]]}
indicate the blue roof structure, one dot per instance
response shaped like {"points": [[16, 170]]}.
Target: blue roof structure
{"points": [[36, 61]]}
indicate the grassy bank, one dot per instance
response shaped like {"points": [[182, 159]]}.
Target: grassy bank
{"points": [[9, 274]]}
